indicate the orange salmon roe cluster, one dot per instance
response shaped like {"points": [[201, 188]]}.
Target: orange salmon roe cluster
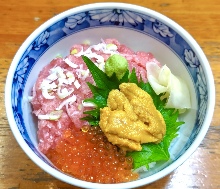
{"points": [[87, 155]]}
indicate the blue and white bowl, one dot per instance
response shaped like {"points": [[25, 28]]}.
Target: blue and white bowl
{"points": [[140, 29]]}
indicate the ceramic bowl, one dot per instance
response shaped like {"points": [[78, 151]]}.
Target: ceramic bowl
{"points": [[140, 29]]}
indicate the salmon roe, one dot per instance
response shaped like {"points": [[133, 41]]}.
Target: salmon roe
{"points": [[87, 155]]}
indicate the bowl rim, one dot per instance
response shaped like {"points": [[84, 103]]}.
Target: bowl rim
{"points": [[164, 172]]}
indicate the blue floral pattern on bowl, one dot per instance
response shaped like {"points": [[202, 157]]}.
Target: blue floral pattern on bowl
{"points": [[108, 17]]}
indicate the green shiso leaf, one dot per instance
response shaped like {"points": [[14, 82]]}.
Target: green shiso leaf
{"points": [[133, 77], [150, 152], [125, 78], [95, 113]]}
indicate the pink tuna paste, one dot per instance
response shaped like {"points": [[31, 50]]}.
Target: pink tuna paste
{"points": [[62, 86]]}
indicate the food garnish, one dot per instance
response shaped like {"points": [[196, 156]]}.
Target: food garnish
{"points": [[172, 87], [116, 64]]}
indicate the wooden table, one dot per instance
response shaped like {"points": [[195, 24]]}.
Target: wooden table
{"points": [[201, 18]]}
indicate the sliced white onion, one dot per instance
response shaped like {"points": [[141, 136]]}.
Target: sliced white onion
{"points": [[71, 77], [103, 47], [63, 93], [52, 76], [46, 88], [99, 58], [54, 115], [58, 71], [70, 63], [62, 81], [88, 104], [47, 95], [70, 100], [77, 84], [111, 47]]}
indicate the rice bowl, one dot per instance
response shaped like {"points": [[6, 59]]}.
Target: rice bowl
{"points": [[146, 26]]}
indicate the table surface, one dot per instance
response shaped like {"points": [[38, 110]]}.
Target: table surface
{"points": [[200, 18]]}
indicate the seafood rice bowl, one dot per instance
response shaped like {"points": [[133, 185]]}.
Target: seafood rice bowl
{"points": [[109, 95]]}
